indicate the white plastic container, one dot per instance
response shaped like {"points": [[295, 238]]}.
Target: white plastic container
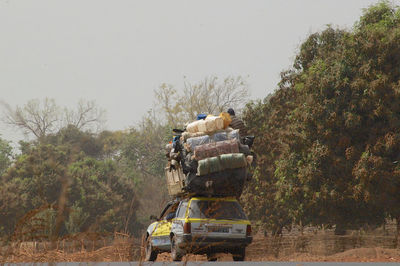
{"points": [[216, 123], [194, 126], [202, 126], [209, 125]]}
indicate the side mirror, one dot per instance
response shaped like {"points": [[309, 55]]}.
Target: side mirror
{"points": [[153, 217]]}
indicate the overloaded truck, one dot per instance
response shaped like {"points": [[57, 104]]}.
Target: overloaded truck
{"points": [[206, 171]]}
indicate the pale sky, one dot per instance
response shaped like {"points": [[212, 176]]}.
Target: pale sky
{"points": [[118, 52]]}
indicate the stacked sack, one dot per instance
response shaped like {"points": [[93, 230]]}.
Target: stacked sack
{"points": [[213, 159]]}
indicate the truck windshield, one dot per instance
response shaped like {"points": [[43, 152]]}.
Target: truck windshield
{"points": [[225, 210]]}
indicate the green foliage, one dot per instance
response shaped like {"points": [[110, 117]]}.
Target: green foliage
{"points": [[97, 192], [327, 138], [142, 159], [41, 225], [76, 219], [111, 181], [5, 155], [97, 196], [34, 181]]}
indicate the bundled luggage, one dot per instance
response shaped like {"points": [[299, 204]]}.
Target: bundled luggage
{"points": [[229, 182], [175, 180], [208, 158]]}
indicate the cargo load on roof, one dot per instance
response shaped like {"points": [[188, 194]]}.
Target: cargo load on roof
{"points": [[208, 158]]}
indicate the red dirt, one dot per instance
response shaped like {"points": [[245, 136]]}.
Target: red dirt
{"points": [[353, 255], [125, 251]]}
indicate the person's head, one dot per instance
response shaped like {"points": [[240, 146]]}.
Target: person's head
{"points": [[231, 111]]}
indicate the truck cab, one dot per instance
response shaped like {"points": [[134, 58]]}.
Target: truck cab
{"points": [[200, 225]]}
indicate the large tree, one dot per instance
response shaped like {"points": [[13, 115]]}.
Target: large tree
{"points": [[35, 180], [210, 95], [41, 118], [333, 160], [75, 180]]}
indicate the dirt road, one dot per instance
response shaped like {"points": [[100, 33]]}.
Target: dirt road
{"points": [[259, 250]]}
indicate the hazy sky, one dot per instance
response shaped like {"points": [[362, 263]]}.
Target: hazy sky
{"points": [[118, 52]]}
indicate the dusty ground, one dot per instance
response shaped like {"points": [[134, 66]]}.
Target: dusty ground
{"points": [[354, 255], [256, 252], [124, 251]]}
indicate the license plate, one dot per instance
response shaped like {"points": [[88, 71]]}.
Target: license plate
{"points": [[217, 229]]}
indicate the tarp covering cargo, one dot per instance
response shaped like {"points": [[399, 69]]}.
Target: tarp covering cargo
{"points": [[216, 148], [227, 183], [220, 163], [192, 142]]}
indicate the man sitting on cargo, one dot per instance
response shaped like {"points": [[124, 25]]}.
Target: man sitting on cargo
{"points": [[237, 123]]}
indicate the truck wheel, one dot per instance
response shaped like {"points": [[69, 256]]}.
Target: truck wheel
{"points": [[176, 252], [239, 254], [151, 254]]}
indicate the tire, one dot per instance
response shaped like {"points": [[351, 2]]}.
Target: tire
{"points": [[211, 257], [239, 254], [176, 252], [151, 254]]}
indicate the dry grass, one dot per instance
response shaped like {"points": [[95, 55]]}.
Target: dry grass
{"points": [[262, 249], [378, 246], [82, 250]]}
